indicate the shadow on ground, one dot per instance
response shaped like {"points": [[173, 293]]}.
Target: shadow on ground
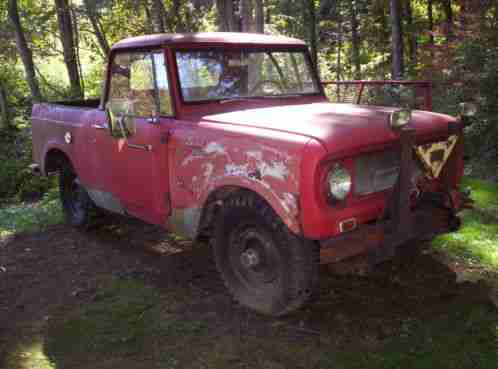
{"points": [[53, 311]]}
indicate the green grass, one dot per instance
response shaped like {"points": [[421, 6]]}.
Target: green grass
{"points": [[30, 217], [466, 338], [477, 241]]}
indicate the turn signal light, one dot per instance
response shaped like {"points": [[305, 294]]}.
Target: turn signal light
{"points": [[347, 225]]}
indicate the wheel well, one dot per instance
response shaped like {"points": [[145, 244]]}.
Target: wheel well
{"points": [[55, 160], [212, 206]]}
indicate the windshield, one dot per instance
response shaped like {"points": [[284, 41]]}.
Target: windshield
{"points": [[231, 74]]}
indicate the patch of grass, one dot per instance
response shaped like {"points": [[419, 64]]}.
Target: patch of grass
{"points": [[466, 338], [31, 217], [126, 319], [484, 193], [477, 241]]}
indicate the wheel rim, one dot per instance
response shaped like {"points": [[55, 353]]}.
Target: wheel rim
{"points": [[253, 258]]}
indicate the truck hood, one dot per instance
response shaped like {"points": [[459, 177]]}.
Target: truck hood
{"points": [[339, 127]]}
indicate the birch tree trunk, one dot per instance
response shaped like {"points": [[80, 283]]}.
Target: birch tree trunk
{"points": [[24, 51], [68, 47], [398, 69]]}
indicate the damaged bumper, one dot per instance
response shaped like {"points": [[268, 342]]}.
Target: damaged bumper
{"points": [[434, 213], [378, 241]]}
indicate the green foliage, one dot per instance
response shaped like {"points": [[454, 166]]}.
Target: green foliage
{"points": [[477, 241], [15, 176], [29, 217]]}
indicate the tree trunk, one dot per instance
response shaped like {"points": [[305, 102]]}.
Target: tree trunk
{"points": [[431, 27], [312, 30], [157, 14], [412, 34], [97, 26], [246, 15], [4, 109], [449, 20], [338, 72], [355, 42], [68, 47], [179, 26], [259, 16], [398, 69], [226, 19], [24, 51]]}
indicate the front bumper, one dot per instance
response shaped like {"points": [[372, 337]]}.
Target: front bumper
{"points": [[434, 213], [379, 240]]}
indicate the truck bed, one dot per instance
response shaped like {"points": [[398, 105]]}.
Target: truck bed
{"points": [[88, 103], [61, 126]]}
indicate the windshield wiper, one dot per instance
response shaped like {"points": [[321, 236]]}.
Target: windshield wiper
{"points": [[241, 98], [265, 97]]}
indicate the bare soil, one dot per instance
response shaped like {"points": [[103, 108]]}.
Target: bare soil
{"points": [[43, 275]]}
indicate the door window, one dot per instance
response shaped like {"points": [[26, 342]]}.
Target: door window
{"points": [[139, 88]]}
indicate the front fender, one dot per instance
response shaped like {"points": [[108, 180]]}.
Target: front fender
{"points": [[205, 165]]}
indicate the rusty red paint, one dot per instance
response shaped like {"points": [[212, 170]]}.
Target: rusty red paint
{"points": [[279, 148]]}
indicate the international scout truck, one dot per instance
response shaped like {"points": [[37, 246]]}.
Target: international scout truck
{"points": [[229, 137]]}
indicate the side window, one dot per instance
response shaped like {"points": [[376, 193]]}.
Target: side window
{"points": [[139, 88]]}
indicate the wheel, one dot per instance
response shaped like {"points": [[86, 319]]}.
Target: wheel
{"points": [[78, 208], [264, 266]]}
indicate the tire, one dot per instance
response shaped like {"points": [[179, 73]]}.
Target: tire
{"points": [[264, 266], [79, 210]]}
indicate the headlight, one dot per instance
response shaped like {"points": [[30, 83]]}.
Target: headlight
{"points": [[339, 182], [399, 118], [467, 109]]}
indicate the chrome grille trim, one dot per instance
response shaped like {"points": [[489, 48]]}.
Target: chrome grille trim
{"points": [[378, 171]]}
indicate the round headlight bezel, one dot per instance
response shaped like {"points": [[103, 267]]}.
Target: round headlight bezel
{"points": [[399, 118], [339, 183], [467, 109]]}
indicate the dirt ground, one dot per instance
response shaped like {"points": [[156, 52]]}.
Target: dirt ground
{"points": [[44, 274]]}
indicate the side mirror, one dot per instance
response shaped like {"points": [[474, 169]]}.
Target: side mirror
{"points": [[467, 111], [121, 118]]}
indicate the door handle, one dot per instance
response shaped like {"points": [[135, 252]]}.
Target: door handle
{"points": [[100, 126], [140, 147]]}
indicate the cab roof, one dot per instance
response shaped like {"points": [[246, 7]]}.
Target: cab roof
{"points": [[207, 38]]}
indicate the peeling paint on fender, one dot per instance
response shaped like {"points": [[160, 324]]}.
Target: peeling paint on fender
{"points": [[255, 164]]}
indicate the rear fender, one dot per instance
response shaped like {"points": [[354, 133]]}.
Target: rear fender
{"points": [[52, 146]]}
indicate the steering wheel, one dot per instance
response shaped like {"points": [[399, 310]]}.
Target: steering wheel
{"points": [[262, 83]]}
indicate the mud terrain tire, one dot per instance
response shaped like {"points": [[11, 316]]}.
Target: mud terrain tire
{"points": [[265, 266], [79, 210]]}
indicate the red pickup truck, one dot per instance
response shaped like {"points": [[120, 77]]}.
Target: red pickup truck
{"points": [[230, 137]]}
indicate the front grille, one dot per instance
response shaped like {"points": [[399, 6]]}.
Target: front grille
{"points": [[378, 171]]}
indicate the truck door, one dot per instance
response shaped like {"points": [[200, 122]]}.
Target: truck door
{"points": [[131, 154]]}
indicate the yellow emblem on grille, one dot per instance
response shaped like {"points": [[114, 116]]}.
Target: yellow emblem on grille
{"points": [[434, 156]]}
